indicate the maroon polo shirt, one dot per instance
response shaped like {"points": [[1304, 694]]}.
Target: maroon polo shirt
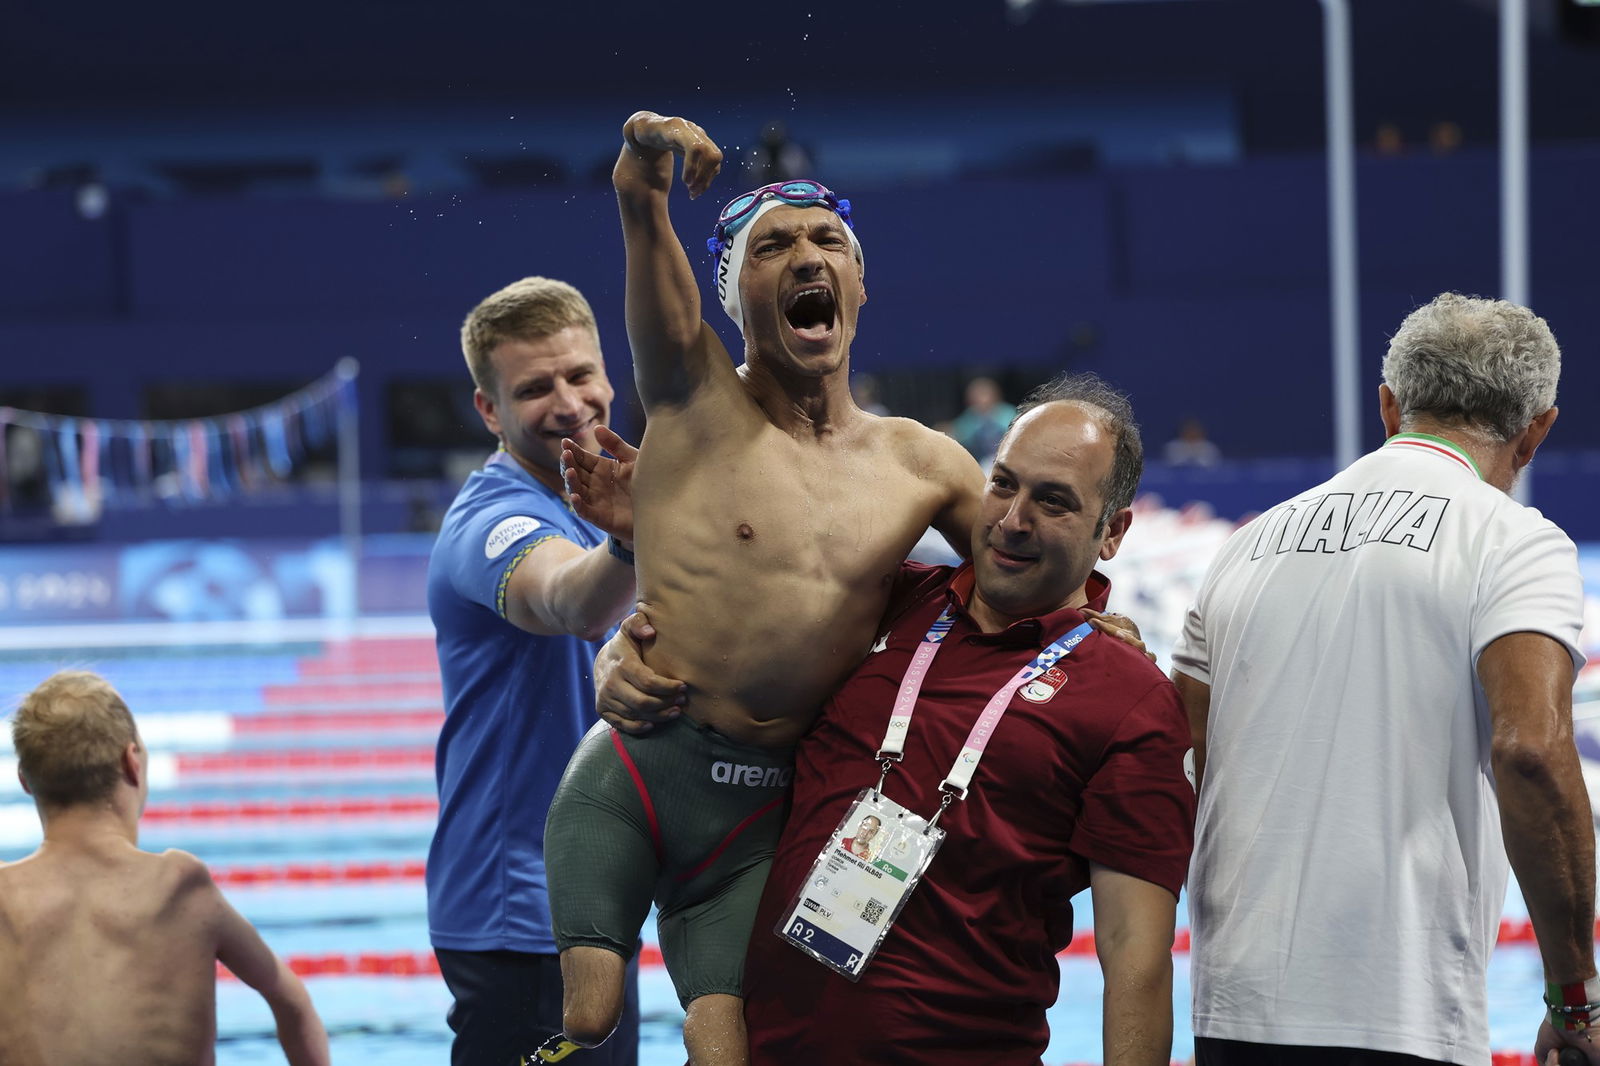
{"points": [[1093, 774]]}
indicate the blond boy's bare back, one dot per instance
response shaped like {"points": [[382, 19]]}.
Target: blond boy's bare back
{"points": [[116, 950], [108, 953]]}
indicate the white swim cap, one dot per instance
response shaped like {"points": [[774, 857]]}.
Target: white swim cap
{"points": [[731, 260]]}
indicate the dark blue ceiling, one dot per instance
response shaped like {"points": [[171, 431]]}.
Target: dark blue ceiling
{"points": [[1419, 61]]}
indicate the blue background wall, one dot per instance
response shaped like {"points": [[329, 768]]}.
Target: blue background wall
{"points": [[1203, 290], [1132, 188]]}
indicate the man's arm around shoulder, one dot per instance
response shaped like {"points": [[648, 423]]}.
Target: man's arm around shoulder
{"points": [[1133, 928]]}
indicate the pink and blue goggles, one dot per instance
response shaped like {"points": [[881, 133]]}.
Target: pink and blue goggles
{"points": [[801, 192]]}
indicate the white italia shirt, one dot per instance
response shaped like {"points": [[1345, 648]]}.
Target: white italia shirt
{"points": [[1348, 872]]}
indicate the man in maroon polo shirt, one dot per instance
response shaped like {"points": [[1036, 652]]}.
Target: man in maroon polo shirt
{"points": [[1083, 783]]}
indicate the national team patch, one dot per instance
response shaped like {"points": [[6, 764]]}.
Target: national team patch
{"points": [[1044, 686], [506, 533]]}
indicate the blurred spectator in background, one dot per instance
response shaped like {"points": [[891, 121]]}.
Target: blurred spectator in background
{"points": [[776, 157], [422, 516], [980, 427], [864, 387], [26, 487], [1444, 137], [1388, 140], [1191, 447]]}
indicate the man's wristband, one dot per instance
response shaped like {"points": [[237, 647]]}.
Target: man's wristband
{"points": [[616, 548], [1573, 1006]]}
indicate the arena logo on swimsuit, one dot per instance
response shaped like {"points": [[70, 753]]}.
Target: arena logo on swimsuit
{"points": [[737, 773]]}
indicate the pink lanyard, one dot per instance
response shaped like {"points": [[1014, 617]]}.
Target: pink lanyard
{"points": [[955, 783]]}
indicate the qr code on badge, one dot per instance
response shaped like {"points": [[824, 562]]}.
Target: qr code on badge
{"points": [[872, 911]]}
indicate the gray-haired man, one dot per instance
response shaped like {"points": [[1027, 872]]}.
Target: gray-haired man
{"points": [[1379, 679]]}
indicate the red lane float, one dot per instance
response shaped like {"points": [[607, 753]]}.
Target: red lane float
{"points": [[293, 810], [423, 964], [334, 964], [409, 963], [373, 655], [320, 874], [301, 760], [1512, 931], [405, 962], [386, 963], [370, 692], [336, 722]]}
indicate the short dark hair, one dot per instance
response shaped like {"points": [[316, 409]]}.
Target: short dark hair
{"points": [[1116, 416]]}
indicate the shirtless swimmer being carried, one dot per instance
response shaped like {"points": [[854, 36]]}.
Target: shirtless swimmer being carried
{"points": [[771, 515]]}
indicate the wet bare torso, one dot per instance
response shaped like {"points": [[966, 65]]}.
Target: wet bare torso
{"points": [[108, 959], [766, 559]]}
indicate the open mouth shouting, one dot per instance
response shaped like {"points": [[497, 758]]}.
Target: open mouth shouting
{"points": [[810, 312]]}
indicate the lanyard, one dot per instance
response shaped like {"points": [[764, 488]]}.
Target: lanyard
{"points": [[955, 783]]}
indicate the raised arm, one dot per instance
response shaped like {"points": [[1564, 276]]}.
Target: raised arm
{"points": [[673, 349], [1545, 814], [1133, 925]]}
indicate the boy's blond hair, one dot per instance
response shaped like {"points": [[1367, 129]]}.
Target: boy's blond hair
{"points": [[523, 311], [69, 735]]}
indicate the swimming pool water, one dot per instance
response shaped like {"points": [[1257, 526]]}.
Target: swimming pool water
{"points": [[392, 1020]]}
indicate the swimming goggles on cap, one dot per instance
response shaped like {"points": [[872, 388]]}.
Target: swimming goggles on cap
{"points": [[798, 193]]}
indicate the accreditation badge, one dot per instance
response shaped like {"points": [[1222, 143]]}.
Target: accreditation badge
{"points": [[856, 888]]}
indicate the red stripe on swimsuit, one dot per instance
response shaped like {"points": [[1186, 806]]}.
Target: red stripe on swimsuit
{"points": [[644, 794], [727, 840]]}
